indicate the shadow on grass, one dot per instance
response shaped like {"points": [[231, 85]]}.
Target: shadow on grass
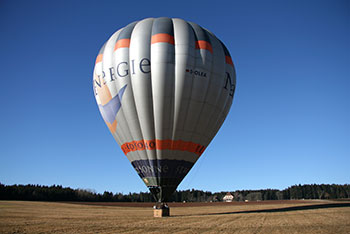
{"points": [[284, 209]]}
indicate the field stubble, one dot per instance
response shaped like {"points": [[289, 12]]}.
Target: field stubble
{"points": [[53, 217]]}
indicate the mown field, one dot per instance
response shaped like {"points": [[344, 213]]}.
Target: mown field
{"points": [[252, 217]]}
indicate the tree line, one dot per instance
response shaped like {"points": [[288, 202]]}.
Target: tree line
{"points": [[58, 193]]}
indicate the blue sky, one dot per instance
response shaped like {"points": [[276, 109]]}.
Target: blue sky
{"points": [[289, 123]]}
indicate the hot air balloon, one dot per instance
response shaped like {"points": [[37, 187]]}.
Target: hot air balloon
{"points": [[164, 87]]}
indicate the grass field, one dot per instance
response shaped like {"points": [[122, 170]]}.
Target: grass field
{"points": [[251, 217]]}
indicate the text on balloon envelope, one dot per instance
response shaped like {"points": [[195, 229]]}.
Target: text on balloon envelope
{"points": [[162, 145]]}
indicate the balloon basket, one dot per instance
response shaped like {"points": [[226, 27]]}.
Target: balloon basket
{"points": [[161, 210]]}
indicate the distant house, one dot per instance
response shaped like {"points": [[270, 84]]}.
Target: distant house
{"points": [[228, 197]]}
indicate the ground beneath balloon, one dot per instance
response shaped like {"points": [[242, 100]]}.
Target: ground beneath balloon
{"points": [[315, 216]]}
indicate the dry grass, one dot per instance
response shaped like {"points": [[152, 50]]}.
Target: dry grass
{"points": [[45, 217]]}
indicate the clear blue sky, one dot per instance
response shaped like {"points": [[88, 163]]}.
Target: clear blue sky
{"points": [[289, 123]]}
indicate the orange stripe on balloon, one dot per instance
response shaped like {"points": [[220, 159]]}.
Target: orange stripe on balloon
{"points": [[99, 58], [204, 45], [122, 43], [228, 60], [162, 145], [163, 37]]}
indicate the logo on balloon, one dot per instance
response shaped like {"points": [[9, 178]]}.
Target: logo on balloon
{"points": [[110, 109]]}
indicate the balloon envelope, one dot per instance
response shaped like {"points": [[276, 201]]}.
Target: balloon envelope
{"points": [[164, 87]]}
